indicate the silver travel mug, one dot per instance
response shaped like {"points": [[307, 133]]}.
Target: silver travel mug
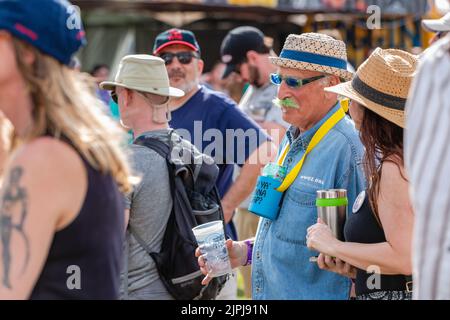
{"points": [[332, 209]]}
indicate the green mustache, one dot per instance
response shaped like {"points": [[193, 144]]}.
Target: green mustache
{"points": [[287, 103]]}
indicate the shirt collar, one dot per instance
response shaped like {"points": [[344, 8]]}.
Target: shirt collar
{"points": [[304, 138]]}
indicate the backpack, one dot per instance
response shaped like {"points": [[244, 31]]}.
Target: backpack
{"points": [[195, 201]]}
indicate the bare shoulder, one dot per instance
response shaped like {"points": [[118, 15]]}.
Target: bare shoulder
{"points": [[48, 156], [50, 170], [45, 182], [394, 186], [47, 148], [393, 172]]}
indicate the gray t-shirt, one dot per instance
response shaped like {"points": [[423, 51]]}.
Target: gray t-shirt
{"points": [[150, 205]]}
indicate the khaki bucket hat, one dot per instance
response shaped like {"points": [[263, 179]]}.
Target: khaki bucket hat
{"points": [[382, 83], [143, 73]]}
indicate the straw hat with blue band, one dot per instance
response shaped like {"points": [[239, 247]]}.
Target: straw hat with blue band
{"points": [[320, 53], [314, 52], [382, 83]]}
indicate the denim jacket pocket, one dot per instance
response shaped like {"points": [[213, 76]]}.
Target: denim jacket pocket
{"points": [[297, 214]]}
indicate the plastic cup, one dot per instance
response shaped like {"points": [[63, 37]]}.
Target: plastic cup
{"points": [[211, 241]]}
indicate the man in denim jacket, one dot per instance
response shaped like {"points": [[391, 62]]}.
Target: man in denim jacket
{"points": [[281, 267]]}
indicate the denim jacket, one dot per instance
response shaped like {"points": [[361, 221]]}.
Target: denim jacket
{"points": [[281, 268]]}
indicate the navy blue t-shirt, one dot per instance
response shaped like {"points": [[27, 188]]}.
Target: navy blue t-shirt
{"points": [[217, 127]]}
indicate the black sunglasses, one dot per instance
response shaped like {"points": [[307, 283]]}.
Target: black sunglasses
{"points": [[157, 100], [114, 97], [441, 34], [184, 57]]}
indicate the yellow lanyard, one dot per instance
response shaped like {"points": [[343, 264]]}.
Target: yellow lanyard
{"points": [[318, 136]]}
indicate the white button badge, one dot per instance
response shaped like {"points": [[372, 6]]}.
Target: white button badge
{"points": [[359, 202]]}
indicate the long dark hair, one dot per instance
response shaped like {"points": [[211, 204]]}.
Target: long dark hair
{"points": [[383, 141]]}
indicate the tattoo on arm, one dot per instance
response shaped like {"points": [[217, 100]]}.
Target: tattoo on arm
{"points": [[14, 198]]}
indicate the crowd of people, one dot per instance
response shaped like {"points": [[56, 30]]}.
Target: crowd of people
{"points": [[81, 206]]}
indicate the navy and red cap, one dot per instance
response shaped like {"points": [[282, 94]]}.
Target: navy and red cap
{"points": [[52, 26], [175, 36]]}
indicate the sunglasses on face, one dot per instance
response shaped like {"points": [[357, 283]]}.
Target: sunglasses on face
{"points": [[292, 82], [114, 97], [441, 34], [184, 57], [154, 99]]}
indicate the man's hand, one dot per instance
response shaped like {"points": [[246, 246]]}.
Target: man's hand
{"points": [[237, 253], [228, 211]]}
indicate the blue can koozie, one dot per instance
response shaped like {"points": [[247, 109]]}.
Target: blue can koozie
{"points": [[266, 199]]}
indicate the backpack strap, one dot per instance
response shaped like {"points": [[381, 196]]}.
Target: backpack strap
{"points": [[139, 239], [156, 145], [164, 151]]}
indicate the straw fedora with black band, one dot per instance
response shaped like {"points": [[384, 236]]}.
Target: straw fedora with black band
{"points": [[382, 83], [314, 52], [144, 73]]}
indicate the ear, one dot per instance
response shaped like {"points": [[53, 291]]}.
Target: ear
{"points": [[252, 56], [127, 98], [200, 65], [329, 81], [28, 57], [325, 83], [334, 80]]}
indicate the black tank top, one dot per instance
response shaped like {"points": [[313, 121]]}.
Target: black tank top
{"points": [[362, 227], [91, 247]]}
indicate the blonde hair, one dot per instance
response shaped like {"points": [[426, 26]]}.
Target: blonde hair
{"points": [[66, 107]]}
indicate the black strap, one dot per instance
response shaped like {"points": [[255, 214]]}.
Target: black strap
{"points": [[158, 146], [139, 239], [164, 151], [143, 245]]}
